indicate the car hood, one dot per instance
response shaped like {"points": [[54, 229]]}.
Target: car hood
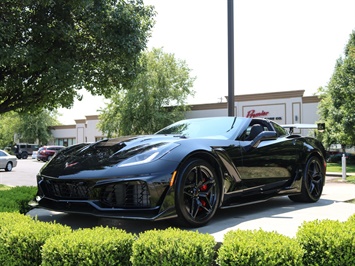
{"points": [[123, 153]]}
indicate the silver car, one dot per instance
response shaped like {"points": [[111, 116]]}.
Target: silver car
{"points": [[7, 161]]}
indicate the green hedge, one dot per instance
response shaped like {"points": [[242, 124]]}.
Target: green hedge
{"points": [[328, 242], [173, 247], [97, 246], [16, 199], [24, 241], [22, 238], [257, 247]]}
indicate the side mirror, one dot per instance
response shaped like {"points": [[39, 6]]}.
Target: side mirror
{"points": [[265, 135]]}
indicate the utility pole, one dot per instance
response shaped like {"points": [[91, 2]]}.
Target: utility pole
{"points": [[230, 58]]}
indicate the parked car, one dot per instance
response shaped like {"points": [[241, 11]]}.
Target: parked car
{"points": [[46, 153], [7, 161], [337, 158], [186, 171], [22, 150], [34, 154]]}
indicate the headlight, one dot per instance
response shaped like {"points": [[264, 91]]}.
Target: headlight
{"points": [[150, 155]]}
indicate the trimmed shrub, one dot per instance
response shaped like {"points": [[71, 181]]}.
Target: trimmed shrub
{"points": [[173, 247], [257, 247], [97, 246], [351, 220], [16, 199], [6, 220], [22, 238], [327, 242]]}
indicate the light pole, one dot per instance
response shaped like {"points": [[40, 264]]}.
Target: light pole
{"points": [[230, 58]]}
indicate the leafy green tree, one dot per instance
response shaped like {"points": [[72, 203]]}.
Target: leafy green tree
{"points": [[27, 127], [337, 108], [9, 123], [155, 99], [34, 128], [50, 49]]}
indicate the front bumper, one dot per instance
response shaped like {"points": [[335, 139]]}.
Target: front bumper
{"points": [[114, 198]]}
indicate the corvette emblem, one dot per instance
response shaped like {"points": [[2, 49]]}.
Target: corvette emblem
{"points": [[70, 164]]}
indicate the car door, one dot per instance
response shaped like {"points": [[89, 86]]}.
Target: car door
{"points": [[3, 160], [269, 164]]}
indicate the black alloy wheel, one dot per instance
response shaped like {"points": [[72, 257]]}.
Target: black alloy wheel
{"points": [[197, 193], [312, 183]]}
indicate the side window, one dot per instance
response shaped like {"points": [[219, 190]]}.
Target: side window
{"points": [[279, 130], [2, 154], [254, 129]]}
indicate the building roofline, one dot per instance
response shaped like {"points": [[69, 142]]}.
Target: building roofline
{"points": [[268, 96], [207, 106], [63, 127], [310, 99]]}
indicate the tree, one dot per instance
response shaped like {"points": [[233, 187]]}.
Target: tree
{"points": [[27, 127], [8, 126], [337, 108], [34, 128], [155, 99], [50, 49]]}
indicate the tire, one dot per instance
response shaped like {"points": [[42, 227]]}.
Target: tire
{"points": [[24, 155], [197, 194], [8, 167], [312, 182]]}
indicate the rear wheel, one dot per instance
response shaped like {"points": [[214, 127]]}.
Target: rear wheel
{"points": [[24, 155], [197, 193], [8, 167], [312, 183]]}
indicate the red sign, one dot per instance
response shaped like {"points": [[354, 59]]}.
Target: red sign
{"points": [[253, 114]]}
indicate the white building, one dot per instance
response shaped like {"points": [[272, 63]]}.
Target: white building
{"points": [[289, 107]]}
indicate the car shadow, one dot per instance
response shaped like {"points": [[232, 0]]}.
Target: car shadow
{"points": [[260, 215]]}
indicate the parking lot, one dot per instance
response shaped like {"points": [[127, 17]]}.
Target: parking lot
{"points": [[24, 174], [278, 214]]}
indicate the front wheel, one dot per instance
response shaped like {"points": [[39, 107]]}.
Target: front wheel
{"points": [[312, 183], [197, 193], [8, 167]]}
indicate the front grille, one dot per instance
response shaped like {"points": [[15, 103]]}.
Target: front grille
{"points": [[126, 195], [134, 194], [68, 190]]}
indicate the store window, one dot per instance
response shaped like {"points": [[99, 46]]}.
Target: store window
{"points": [[65, 142]]}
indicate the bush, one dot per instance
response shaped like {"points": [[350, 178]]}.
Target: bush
{"points": [[16, 199], [257, 247], [351, 221], [97, 246], [327, 242], [22, 238], [173, 247]]}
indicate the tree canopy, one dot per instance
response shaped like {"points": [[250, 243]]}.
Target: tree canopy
{"points": [[50, 49], [30, 128], [337, 107], [155, 99], [8, 127]]}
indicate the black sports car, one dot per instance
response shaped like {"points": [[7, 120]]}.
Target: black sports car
{"points": [[186, 171]]}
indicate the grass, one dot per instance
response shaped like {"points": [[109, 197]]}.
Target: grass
{"points": [[3, 187], [337, 168]]}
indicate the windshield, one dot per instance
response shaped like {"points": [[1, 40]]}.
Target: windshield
{"points": [[204, 127]]}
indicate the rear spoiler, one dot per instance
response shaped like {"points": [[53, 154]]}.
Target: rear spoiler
{"points": [[291, 127]]}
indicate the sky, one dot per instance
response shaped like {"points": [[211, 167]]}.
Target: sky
{"points": [[279, 45]]}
